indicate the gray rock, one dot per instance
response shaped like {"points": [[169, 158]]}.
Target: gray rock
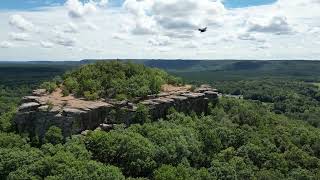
{"points": [[73, 111], [35, 118], [28, 99], [44, 108], [29, 106], [39, 92]]}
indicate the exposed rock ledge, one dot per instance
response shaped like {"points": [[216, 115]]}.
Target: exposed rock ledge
{"points": [[73, 115]]}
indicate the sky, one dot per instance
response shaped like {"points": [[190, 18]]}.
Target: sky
{"points": [[159, 29]]}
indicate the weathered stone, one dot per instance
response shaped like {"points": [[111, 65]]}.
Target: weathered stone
{"points": [[43, 108], [29, 106], [72, 111], [193, 95], [75, 116], [28, 99], [39, 92]]}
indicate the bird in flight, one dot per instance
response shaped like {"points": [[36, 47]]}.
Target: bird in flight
{"points": [[202, 30]]}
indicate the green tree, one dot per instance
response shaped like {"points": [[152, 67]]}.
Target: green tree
{"points": [[142, 115], [53, 135], [127, 150]]}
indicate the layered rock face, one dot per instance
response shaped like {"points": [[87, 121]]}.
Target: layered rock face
{"points": [[73, 115]]}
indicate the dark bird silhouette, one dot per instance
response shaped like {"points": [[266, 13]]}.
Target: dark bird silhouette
{"points": [[202, 30]]}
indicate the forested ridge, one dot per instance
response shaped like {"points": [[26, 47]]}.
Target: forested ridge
{"points": [[112, 79], [273, 133]]}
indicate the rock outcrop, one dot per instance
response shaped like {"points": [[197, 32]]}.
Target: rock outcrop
{"points": [[74, 116]]}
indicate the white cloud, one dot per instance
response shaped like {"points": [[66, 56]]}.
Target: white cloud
{"points": [[77, 9], [163, 29], [168, 16], [70, 28], [46, 44], [250, 37], [276, 25], [6, 44], [64, 40], [91, 26], [160, 41], [186, 14], [191, 45], [20, 36], [120, 36], [21, 23]]}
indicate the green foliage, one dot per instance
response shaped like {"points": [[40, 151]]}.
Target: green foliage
{"points": [[68, 161], [49, 86], [10, 140], [6, 124], [53, 135], [91, 96], [12, 159], [295, 99], [142, 115], [261, 137], [115, 79], [130, 151], [64, 165], [168, 172]]}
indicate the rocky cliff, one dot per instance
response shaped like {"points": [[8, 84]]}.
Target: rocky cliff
{"points": [[75, 115]]}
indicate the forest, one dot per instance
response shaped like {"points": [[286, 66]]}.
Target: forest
{"points": [[272, 133]]}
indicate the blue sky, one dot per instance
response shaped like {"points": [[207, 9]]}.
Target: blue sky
{"points": [[31, 4]]}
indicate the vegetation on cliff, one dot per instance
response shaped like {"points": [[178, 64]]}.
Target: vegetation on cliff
{"points": [[113, 79]]}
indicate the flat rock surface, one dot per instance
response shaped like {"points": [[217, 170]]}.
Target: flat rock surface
{"points": [[58, 100]]}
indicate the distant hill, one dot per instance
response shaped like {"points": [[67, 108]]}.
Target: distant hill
{"points": [[192, 70]]}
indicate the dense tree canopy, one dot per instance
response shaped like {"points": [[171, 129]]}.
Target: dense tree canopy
{"points": [[114, 79], [238, 140], [273, 133], [295, 99]]}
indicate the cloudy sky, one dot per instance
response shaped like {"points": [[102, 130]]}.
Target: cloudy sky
{"points": [[155, 29]]}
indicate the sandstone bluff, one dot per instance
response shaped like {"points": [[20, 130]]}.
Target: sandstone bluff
{"points": [[75, 115]]}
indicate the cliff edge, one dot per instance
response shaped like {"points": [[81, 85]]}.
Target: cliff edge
{"points": [[75, 115]]}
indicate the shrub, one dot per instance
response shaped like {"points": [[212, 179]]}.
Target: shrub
{"points": [[53, 135], [91, 96], [142, 114], [49, 86], [114, 79]]}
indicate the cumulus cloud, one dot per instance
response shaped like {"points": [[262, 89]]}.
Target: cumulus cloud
{"points": [[119, 36], [250, 37], [91, 26], [6, 44], [169, 16], [315, 30], [20, 36], [70, 28], [276, 25], [21, 23], [160, 41], [167, 28], [46, 44], [186, 14], [191, 45], [264, 46], [77, 9], [65, 41]]}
